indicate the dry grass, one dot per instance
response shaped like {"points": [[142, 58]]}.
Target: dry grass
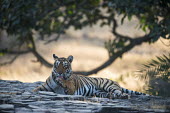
{"points": [[87, 48]]}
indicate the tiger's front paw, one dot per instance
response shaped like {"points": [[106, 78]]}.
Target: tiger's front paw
{"points": [[119, 95], [66, 91], [59, 81], [125, 96]]}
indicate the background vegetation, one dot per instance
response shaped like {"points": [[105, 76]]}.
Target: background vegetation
{"points": [[28, 23]]}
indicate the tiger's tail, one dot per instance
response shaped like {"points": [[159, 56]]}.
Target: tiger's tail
{"points": [[130, 92]]}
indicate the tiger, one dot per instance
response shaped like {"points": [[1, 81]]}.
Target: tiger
{"points": [[63, 81], [72, 84]]}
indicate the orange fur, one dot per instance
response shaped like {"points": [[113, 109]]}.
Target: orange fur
{"points": [[68, 85]]}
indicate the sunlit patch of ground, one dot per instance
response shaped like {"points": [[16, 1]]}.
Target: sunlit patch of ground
{"points": [[88, 50]]}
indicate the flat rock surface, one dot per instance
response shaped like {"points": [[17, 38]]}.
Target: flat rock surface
{"points": [[17, 97]]}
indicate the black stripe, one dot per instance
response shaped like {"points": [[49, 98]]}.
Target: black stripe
{"points": [[89, 79], [113, 90], [110, 89], [98, 83], [81, 85], [105, 84], [96, 80], [127, 91], [117, 85], [88, 94], [84, 83], [80, 91], [53, 76], [137, 93], [49, 86], [89, 85], [50, 81], [84, 91], [44, 87], [122, 90], [40, 89], [109, 86], [101, 80]]}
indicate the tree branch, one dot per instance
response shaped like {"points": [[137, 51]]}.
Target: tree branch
{"points": [[33, 50], [41, 59], [55, 39], [37, 55], [115, 25], [133, 42], [13, 51], [9, 62]]}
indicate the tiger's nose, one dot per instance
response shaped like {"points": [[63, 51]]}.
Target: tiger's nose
{"points": [[60, 72]]}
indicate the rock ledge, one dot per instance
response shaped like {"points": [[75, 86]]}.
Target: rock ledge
{"points": [[17, 97]]}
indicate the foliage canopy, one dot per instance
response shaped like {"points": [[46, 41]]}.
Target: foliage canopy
{"points": [[50, 16], [23, 17], [157, 72]]}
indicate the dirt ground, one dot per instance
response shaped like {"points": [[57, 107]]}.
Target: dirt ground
{"points": [[87, 47]]}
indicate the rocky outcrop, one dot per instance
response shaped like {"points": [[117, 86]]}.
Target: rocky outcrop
{"points": [[18, 97]]}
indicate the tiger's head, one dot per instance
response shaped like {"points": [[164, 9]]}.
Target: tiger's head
{"points": [[62, 67]]}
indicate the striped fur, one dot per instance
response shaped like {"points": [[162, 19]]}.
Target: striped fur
{"points": [[89, 86], [50, 85], [63, 81], [61, 68]]}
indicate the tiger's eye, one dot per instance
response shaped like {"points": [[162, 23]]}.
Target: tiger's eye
{"points": [[66, 66]]}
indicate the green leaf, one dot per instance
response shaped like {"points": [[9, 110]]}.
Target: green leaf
{"points": [[70, 12], [2, 54], [129, 17]]}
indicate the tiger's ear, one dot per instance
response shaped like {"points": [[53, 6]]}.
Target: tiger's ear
{"points": [[70, 58], [55, 57]]}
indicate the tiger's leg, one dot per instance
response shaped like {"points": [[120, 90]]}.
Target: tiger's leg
{"points": [[119, 94], [50, 85], [111, 87], [44, 87], [112, 95], [37, 89], [102, 94], [68, 85]]}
